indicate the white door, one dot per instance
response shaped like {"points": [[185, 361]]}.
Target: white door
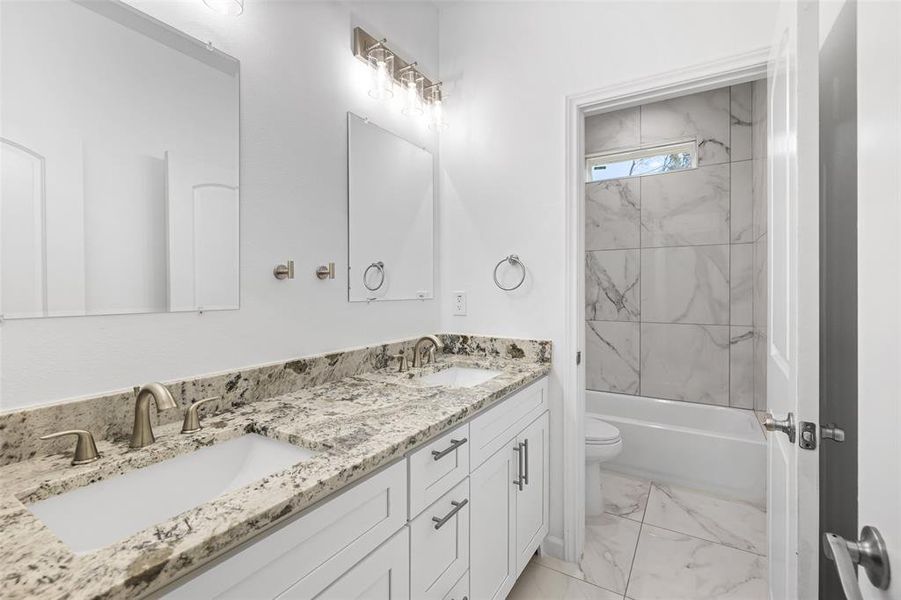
{"points": [[492, 519], [879, 280], [532, 502], [793, 299]]}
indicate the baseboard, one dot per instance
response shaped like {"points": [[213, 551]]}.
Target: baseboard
{"points": [[552, 546]]}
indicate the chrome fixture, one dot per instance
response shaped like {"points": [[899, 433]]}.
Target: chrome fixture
{"points": [[231, 8], [388, 69], [786, 426], [326, 271], [379, 266], [832, 432], [512, 260], [869, 552], [439, 454], [85, 448], [142, 434], [285, 271], [191, 423], [417, 349], [402, 365]]}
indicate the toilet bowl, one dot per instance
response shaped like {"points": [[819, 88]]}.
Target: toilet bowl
{"points": [[602, 443]]}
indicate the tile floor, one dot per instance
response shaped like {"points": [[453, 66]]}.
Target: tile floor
{"points": [[658, 542]]}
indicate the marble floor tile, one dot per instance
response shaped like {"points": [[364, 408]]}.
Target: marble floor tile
{"points": [[686, 207], [685, 362], [561, 566], [737, 524], [611, 285], [741, 202], [609, 549], [540, 583], [740, 122], [613, 130], [624, 496], [675, 566], [703, 116], [741, 367], [689, 284], [612, 214], [612, 356]]}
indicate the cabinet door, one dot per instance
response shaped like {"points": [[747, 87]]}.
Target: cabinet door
{"points": [[383, 575], [439, 551], [532, 502], [492, 570]]}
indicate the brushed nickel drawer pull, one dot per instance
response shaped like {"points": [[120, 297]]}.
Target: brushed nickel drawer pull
{"points": [[440, 521], [454, 445], [525, 477], [519, 480]]}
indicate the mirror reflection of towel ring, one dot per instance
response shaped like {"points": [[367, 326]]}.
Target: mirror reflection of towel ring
{"points": [[380, 267], [513, 260]]}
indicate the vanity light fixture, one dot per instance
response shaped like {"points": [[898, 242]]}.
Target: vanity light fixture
{"points": [[389, 68], [382, 62], [411, 81], [231, 8], [437, 121]]}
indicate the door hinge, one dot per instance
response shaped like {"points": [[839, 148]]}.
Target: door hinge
{"points": [[808, 438], [578, 358]]}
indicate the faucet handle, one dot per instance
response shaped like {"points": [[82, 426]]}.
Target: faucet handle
{"points": [[191, 423], [85, 448], [402, 365]]}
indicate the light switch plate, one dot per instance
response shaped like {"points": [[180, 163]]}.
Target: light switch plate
{"points": [[459, 303]]}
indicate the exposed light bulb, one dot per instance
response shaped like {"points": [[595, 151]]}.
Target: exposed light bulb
{"points": [[382, 62], [437, 120], [231, 8], [412, 84]]}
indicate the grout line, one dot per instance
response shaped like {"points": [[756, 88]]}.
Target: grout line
{"points": [[640, 247], [667, 323]]}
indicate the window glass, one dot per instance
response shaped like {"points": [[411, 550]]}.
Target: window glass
{"points": [[642, 161]]}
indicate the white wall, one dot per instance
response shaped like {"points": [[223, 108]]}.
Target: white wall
{"points": [[298, 80], [509, 68]]}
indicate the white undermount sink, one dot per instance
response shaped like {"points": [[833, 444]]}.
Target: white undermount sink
{"points": [[459, 377], [101, 513]]}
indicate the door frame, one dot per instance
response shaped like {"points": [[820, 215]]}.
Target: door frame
{"points": [[731, 70]]}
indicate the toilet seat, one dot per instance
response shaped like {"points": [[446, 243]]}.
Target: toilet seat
{"points": [[600, 433]]}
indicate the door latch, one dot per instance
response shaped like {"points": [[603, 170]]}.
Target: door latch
{"points": [[578, 358], [808, 438], [831, 432]]}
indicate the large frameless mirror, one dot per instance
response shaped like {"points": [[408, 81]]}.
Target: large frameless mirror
{"points": [[391, 202], [119, 152]]}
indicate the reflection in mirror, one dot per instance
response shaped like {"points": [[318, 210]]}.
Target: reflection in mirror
{"points": [[391, 209], [119, 159]]}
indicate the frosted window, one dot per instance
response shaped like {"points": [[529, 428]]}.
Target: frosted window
{"points": [[642, 161]]}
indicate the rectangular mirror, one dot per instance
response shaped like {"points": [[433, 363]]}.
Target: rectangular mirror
{"points": [[391, 201], [119, 153]]}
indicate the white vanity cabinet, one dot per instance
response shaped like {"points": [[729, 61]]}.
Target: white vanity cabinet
{"points": [[456, 519], [509, 513]]}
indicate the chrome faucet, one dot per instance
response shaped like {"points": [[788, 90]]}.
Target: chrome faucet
{"points": [[142, 434], [417, 349]]}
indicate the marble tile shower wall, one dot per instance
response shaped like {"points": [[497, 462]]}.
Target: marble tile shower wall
{"points": [[672, 261]]}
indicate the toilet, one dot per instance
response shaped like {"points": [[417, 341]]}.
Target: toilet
{"points": [[602, 443]]}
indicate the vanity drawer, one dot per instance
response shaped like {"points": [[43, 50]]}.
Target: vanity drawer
{"points": [[460, 591], [437, 467], [439, 551], [311, 551], [498, 425]]}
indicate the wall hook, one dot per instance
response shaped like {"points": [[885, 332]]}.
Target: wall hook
{"points": [[285, 271]]}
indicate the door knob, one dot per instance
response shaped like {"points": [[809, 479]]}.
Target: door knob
{"points": [[786, 425], [869, 552]]}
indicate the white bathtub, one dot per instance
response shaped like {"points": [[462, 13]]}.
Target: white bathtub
{"points": [[715, 448]]}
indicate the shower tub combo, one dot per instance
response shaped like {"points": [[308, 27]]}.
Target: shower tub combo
{"points": [[714, 448]]}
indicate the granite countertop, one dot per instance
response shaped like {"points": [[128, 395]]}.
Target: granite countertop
{"points": [[356, 424]]}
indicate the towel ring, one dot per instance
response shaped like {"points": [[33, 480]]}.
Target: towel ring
{"points": [[513, 260], [380, 266]]}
